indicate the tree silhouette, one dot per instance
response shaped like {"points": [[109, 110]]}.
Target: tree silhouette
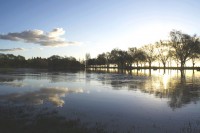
{"points": [[140, 56], [108, 58], [132, 55], [163, 50], [87, 57], [119, 57], [53, 62], [194, 58], [150, 53], [180, 48], [101, 59], [184, 46]]}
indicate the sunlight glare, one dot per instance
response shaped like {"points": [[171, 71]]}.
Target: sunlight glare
{"points": [[165, 80], [152, 32]]}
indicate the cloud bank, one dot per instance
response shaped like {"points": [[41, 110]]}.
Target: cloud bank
{"points": [[11, 50], [52, 38]]}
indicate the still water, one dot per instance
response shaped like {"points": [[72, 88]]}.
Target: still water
{"points": [[38, 101]]}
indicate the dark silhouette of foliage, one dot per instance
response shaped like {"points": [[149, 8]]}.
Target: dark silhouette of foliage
{"points": [[37, 62], [136, 55], [181, 48], [101, 59], [87, 57], [132, 55], [119, 57], [184, 46], [53, 62], [150, 53], [163, 50], [92, 61], [7, 60]]}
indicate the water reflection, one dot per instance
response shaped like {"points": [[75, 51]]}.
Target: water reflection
{"points": [[33, 119], [184, 92], [7, 78], [52, 95], [119, 101], [173, 85], [15, 81]]}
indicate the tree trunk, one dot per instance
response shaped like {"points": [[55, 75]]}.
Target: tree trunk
{"points": [[193, 65], [137, 64], [130, 66], [182, 65], [164, 65], [107, 65], [149, 64]]}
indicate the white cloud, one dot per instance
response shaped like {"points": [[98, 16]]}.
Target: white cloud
{"points": [[56, 32], [52, 38], [11, 50]]}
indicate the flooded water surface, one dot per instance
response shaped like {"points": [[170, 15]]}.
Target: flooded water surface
{"points": [[100, 102]]}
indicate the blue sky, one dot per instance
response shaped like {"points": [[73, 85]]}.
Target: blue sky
{"points": [[91, 26]]}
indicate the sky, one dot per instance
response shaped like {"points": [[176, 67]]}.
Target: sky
{"points": [[42, 28]]}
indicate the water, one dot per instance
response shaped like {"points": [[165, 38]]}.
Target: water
{"points": [[99, 101]]}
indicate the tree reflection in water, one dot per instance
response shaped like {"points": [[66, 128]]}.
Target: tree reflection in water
{"points": [[184, 92], [36, 107], [175, 86]]}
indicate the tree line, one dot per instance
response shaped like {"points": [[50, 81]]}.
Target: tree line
{"points": [[53, 62], [179, 49]]}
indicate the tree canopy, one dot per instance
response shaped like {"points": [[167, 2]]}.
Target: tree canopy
{"points": [[53, 62], [179, 48]]}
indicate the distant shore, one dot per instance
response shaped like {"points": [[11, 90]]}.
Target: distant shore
{"points": [[146, 67]]}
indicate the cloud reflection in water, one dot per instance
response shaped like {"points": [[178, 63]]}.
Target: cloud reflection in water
{"points": [[52, 95]]}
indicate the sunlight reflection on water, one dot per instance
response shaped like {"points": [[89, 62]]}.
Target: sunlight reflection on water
{"points": [[135, 101]]}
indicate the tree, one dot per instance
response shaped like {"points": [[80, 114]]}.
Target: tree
{"points": [[140, 56], [92, 61], [87, 57], [184, 46], [119, 57], [101, 59], [108, 58], [132, 55], [194, 57], [20, 61], [55, 62], [163, 51], [150, 54]]}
